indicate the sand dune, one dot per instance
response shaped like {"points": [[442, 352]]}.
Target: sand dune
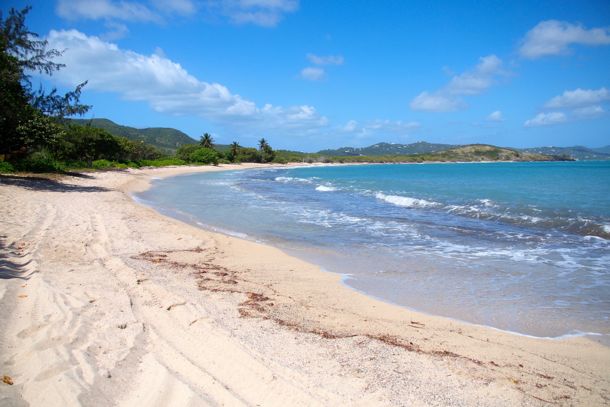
{"points": [[105, 302]]}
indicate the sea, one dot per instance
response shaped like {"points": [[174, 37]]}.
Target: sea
{"points": [[520, 247]]}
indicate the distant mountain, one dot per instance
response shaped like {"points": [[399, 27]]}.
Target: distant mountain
{"points": [[166, 139], [421, 147], [576, 152], [603, 150], [484, 152]]}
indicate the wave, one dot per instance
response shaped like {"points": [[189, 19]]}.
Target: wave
{"points": [[405, 201], [286, 180], [325, 188]]}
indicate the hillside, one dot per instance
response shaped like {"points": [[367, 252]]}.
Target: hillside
{"points": [[165, 139], [421, 147], [576, 152], [483, 152]]}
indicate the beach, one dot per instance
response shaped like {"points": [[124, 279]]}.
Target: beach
{"points": [[107, 302]]}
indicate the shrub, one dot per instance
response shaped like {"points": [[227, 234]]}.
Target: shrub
{"points": [[204, 155], [162, 162], [102, 164], [41, 161], [6, 167], [185, 151]]}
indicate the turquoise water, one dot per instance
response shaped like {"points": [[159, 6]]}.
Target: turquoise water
{"points": [[522, 247]]}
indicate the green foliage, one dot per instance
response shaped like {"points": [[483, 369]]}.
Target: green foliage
{"points": [[247, 155], [103, 164], [36, 132], [21, 52], [185, 151], [162, 162], [266, 153], [207, 141], [204, 155], [167, 140], [6, 167], [41, 161]]}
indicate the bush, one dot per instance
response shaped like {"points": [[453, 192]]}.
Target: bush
{"points": [[103, 164], [41, 161], [162, 162], [204, 155], [6, 167], [185, 151]]}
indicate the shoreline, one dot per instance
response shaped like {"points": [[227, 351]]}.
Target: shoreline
{"points": [[291, 316], [570, 331]]}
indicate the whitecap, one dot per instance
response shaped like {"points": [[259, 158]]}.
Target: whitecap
{"points": [[324, 188], [404, 201]]}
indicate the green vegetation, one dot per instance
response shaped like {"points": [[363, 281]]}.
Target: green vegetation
{"points": [[166, 140]]}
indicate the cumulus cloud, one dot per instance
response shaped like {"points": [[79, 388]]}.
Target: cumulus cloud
{"points": [[104, 10], [325, 60], [578, 97], [589, 111], [266, 13], [435, 102], [471, 82], [312, 73], [554, 37], [184, 7], [545, 119], [495, 116], [167, 87], [380, 127]]}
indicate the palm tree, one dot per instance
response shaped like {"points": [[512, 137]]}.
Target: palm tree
{"points": [[262, 144], [207, 141], [234, 149]]}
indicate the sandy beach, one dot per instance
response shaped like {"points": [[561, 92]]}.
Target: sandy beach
{"points": [[106, 302]]}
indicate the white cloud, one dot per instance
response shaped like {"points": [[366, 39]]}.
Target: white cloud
{"points": [[312, 73], [554, 37], [266, 13], [436, 102], [495, 116], [350, 126], [104, 10], [325, 60], [115, 31], [578, 97], [471, 82], [546, 119], [184, 7], [589, 111], [168, 88], [380, 127]]}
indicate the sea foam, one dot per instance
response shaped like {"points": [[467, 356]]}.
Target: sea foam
{"points": [[404, 201]]}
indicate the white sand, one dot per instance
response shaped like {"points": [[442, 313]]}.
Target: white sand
{"points": [[105, 302]]}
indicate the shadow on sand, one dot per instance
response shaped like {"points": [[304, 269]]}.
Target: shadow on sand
{"points": [[10, 267], [49, 184]]}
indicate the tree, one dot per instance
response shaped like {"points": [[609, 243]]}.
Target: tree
{"points": [[207, 141], [234, 150], [204, 155], [266, 153], [22, 51]]}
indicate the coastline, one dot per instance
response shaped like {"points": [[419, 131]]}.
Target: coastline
{"points": [[279, 329]]}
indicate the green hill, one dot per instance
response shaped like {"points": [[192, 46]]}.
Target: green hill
{"points": [[165, 139], [576, 152], [603, 150], [421, 147]]}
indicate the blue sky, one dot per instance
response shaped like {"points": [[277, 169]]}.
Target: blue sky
{"points": [[309, 75]]}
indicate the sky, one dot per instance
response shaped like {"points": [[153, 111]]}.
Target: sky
{"points": [[309, 75]]}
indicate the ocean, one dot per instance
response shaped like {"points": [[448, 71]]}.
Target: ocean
{"points": [[521, 247]]}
